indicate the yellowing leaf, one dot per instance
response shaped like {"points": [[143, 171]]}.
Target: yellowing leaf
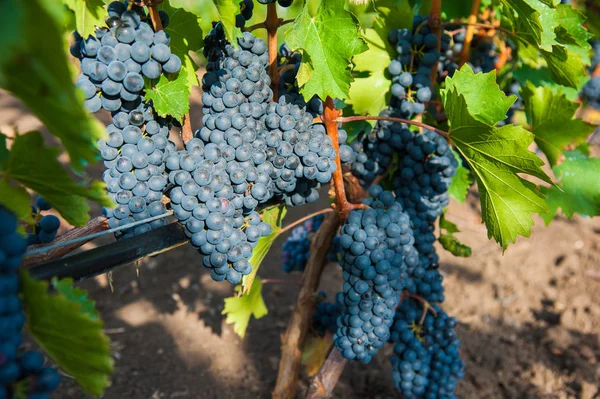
{"points": [[239, 309], [315, 352]]}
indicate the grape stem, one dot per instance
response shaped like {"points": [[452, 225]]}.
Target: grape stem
{"points": [[155, 17], [304, 219], [186, 129], [260, 25], [331, 117], [392, 119], [464, 55], [272, 24]]}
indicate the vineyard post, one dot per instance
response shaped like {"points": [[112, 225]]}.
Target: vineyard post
{"points": [[272, 23]]}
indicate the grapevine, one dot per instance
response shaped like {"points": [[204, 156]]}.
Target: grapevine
{"points": [[390, 114]]}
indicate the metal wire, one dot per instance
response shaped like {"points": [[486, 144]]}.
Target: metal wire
{"points": [[95, 235]]}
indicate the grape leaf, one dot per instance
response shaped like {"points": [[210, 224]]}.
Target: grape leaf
{"points": [[4, 154], [171, 97], [186, 35], [88, 15], [486, 103], [16, 199], [369, 93], [579, 190], [36, 167], [495, 156], [551, 116], [67, 333], [76, 295], [239, 309], [36, 71], [328, 41], [392, 14], [274, 216], [462, 180], [456, 9], [572, 27], [449, 241], [526, 22], [227, 10], [541, 77], [565, 66]]}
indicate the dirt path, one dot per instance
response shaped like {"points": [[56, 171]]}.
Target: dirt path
{"points": [[529, 320]]}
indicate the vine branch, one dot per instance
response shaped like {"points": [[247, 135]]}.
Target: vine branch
{"points": [[435, 23], [392, 119], [295, 334], [186, 129], [155, 17], [271, 24], [95, 225], [481, 25], [322, 384], [464, 55]]}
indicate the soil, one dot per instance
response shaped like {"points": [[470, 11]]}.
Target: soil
{"points": [[529, 318]]}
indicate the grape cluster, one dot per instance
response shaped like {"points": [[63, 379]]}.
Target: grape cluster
{"points": [[116, 60], [376, 243], [422, 179], [426, 362], [15, 366], [134, 152], [296, 248], [46, 226], [591, 93], [326, 314], [246, 9], [411, 70]]}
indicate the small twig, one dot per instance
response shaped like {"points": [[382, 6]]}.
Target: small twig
{"points": [[465, 53], [285, 21], [260, 25], [392, 119], [155, 17], [279, 281], [286, 68], [95, 225], [186, 129], [322, 384], [305, 218], [272, 23]]}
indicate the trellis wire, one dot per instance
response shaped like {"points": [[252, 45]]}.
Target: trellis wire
{"points": [[96, 235]]}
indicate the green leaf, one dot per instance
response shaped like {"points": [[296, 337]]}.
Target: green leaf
{"points": [[393, 14], [462, 180], [525, 21], [496, 156], [36, 167], [88, 15], [541, 77], [67, 333], [552, 120], [186, 35], [4, 154], [171, 97], [239, 308], [449, 241], [227, 10], [486, 102], [328, 41], [572, 33], [369, 93], [456, 9], [76, 295], [16, 199], [274, 217], [579, 190], [565, 66], [36, 71], [549, 20]]}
